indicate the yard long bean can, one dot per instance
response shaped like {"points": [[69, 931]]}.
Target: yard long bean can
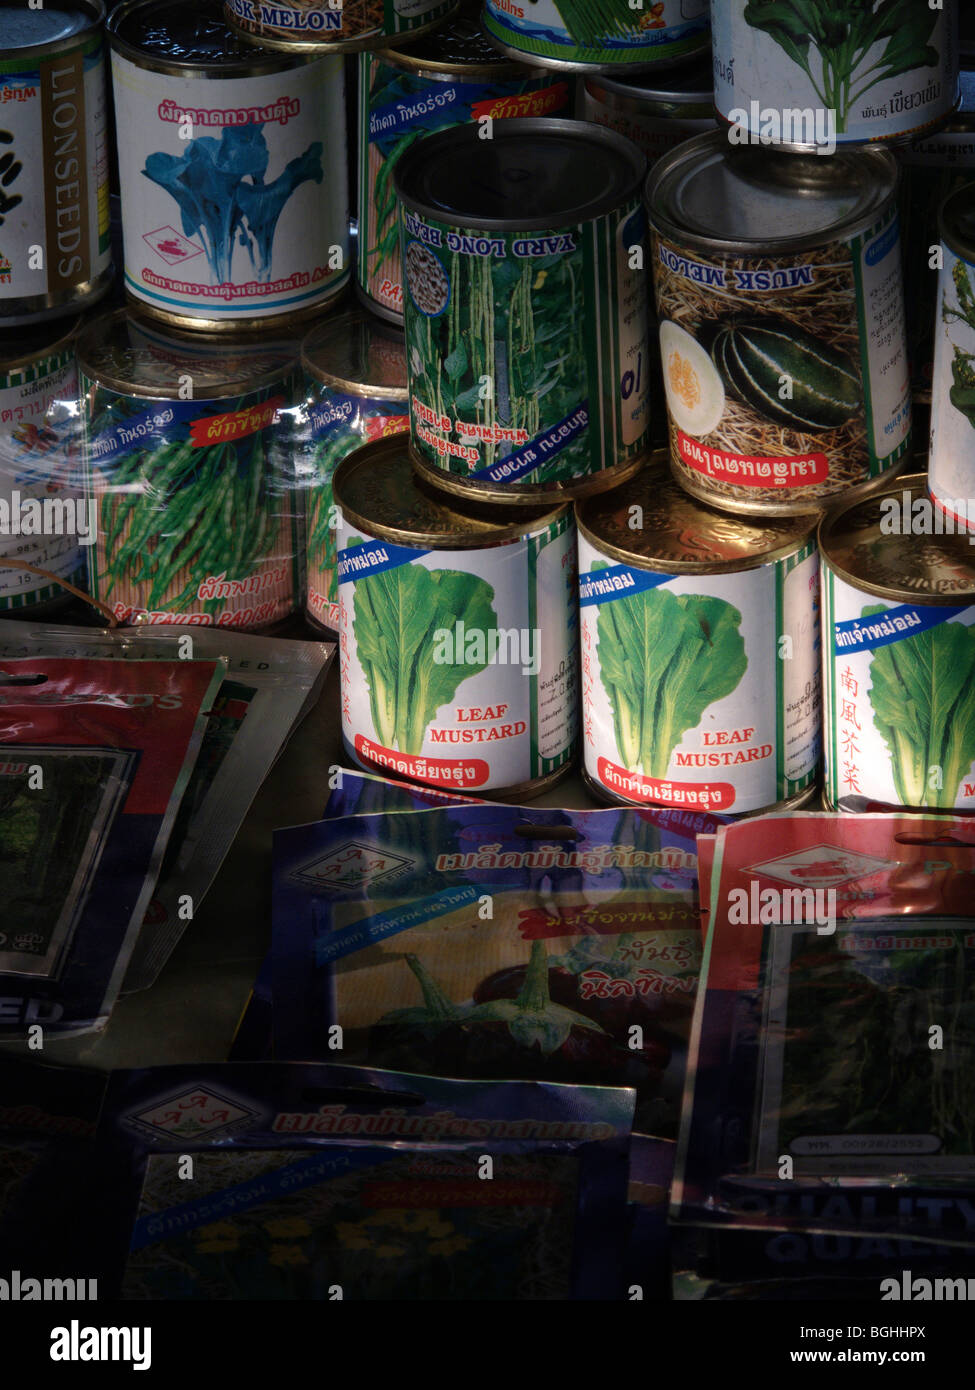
{"points": [[595, 35], [700, 651], [43, 520], [232, 167], [951, 461], [657, 111], [355, 367], [781, 323], [55, 256], [451, 77], [899, 654], [525, 308], [334, 26], [809, 74], [188, 462], [458, 628]]}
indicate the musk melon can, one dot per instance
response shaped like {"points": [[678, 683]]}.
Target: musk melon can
{"points": [[450, 77], [458, 632], [655, 110], [526, 309], [898, 655], [355, 370], [334, 26], [780, 314], [823, 73], [598, 35], [951, 459], [700, 651]]}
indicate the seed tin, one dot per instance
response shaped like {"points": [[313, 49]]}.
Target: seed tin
{"points": [[784, 354], [451, 77], [55, 256], [700, 651], [598, 35], [951, 462], [39, 469], [458, 632], [232, 165], [883, 73], [899, 655], [188, 460], [334, 26], [355, 369], [656, 111], [526, 309]]}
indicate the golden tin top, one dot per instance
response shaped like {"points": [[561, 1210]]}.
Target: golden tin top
{"points": [[888, 545], [189, 40], [457, 47], [24, 347], [117, 351], [377, 491], [358, 353], [651, 523]]}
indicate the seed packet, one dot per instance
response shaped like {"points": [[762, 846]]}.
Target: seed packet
{"points": [[648, 1274], [323, 1182], [830, 1082], [269, 686], [492, 941], [96, 757]]}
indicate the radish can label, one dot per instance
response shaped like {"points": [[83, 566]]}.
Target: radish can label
{"points": [[583, 33], [689, 698], [951, 467], [879, 72]]}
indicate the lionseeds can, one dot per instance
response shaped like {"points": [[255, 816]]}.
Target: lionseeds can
{"points": [[526, 309], [458, 643], [43, 521], [781, 323], [858, 75], [596, 35], [700, 651], [899, 655], [655, 111], [188, 463], [55, 254], [451, 77], [355, 368], [232, 167], [334, 26], [951, 461]]}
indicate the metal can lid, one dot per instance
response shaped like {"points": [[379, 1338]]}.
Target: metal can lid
{"points": [[678, 533], [358, 353], [888, 560], [377, 490], [532, 174], [33, 29], [118, 353], [957, 222], [459, 45], [176, 36], [707, 183], [691, 85], [23, 347]]}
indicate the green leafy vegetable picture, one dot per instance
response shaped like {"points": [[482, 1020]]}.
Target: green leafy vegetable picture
{"points": [[663, 660], [923, 697], [837, 43], [962, 392], [398, 613]]}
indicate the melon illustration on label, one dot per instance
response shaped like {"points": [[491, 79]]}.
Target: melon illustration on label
{"points": [[695, 391]]}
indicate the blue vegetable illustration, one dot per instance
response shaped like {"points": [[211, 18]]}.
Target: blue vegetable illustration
{"points": [[219, 186]]}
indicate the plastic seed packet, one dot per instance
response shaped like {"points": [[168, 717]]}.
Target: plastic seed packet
{"points": [[492, 941], [830, 1080], [323, 1182], [96, 756], [269, 686]]}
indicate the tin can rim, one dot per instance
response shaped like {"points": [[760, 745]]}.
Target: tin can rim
{"points": [[496, 532], [398, 54], [94, 11], [916, 485], [323, 48], [61, 339], [586, 66], [657, 470], [650, 96], [348, 384], [715, 143], [153, 392], [950, 207], [264, 59], [515, 128]]}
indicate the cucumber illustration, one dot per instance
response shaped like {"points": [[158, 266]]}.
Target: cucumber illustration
{"points": [[754, 358]]}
